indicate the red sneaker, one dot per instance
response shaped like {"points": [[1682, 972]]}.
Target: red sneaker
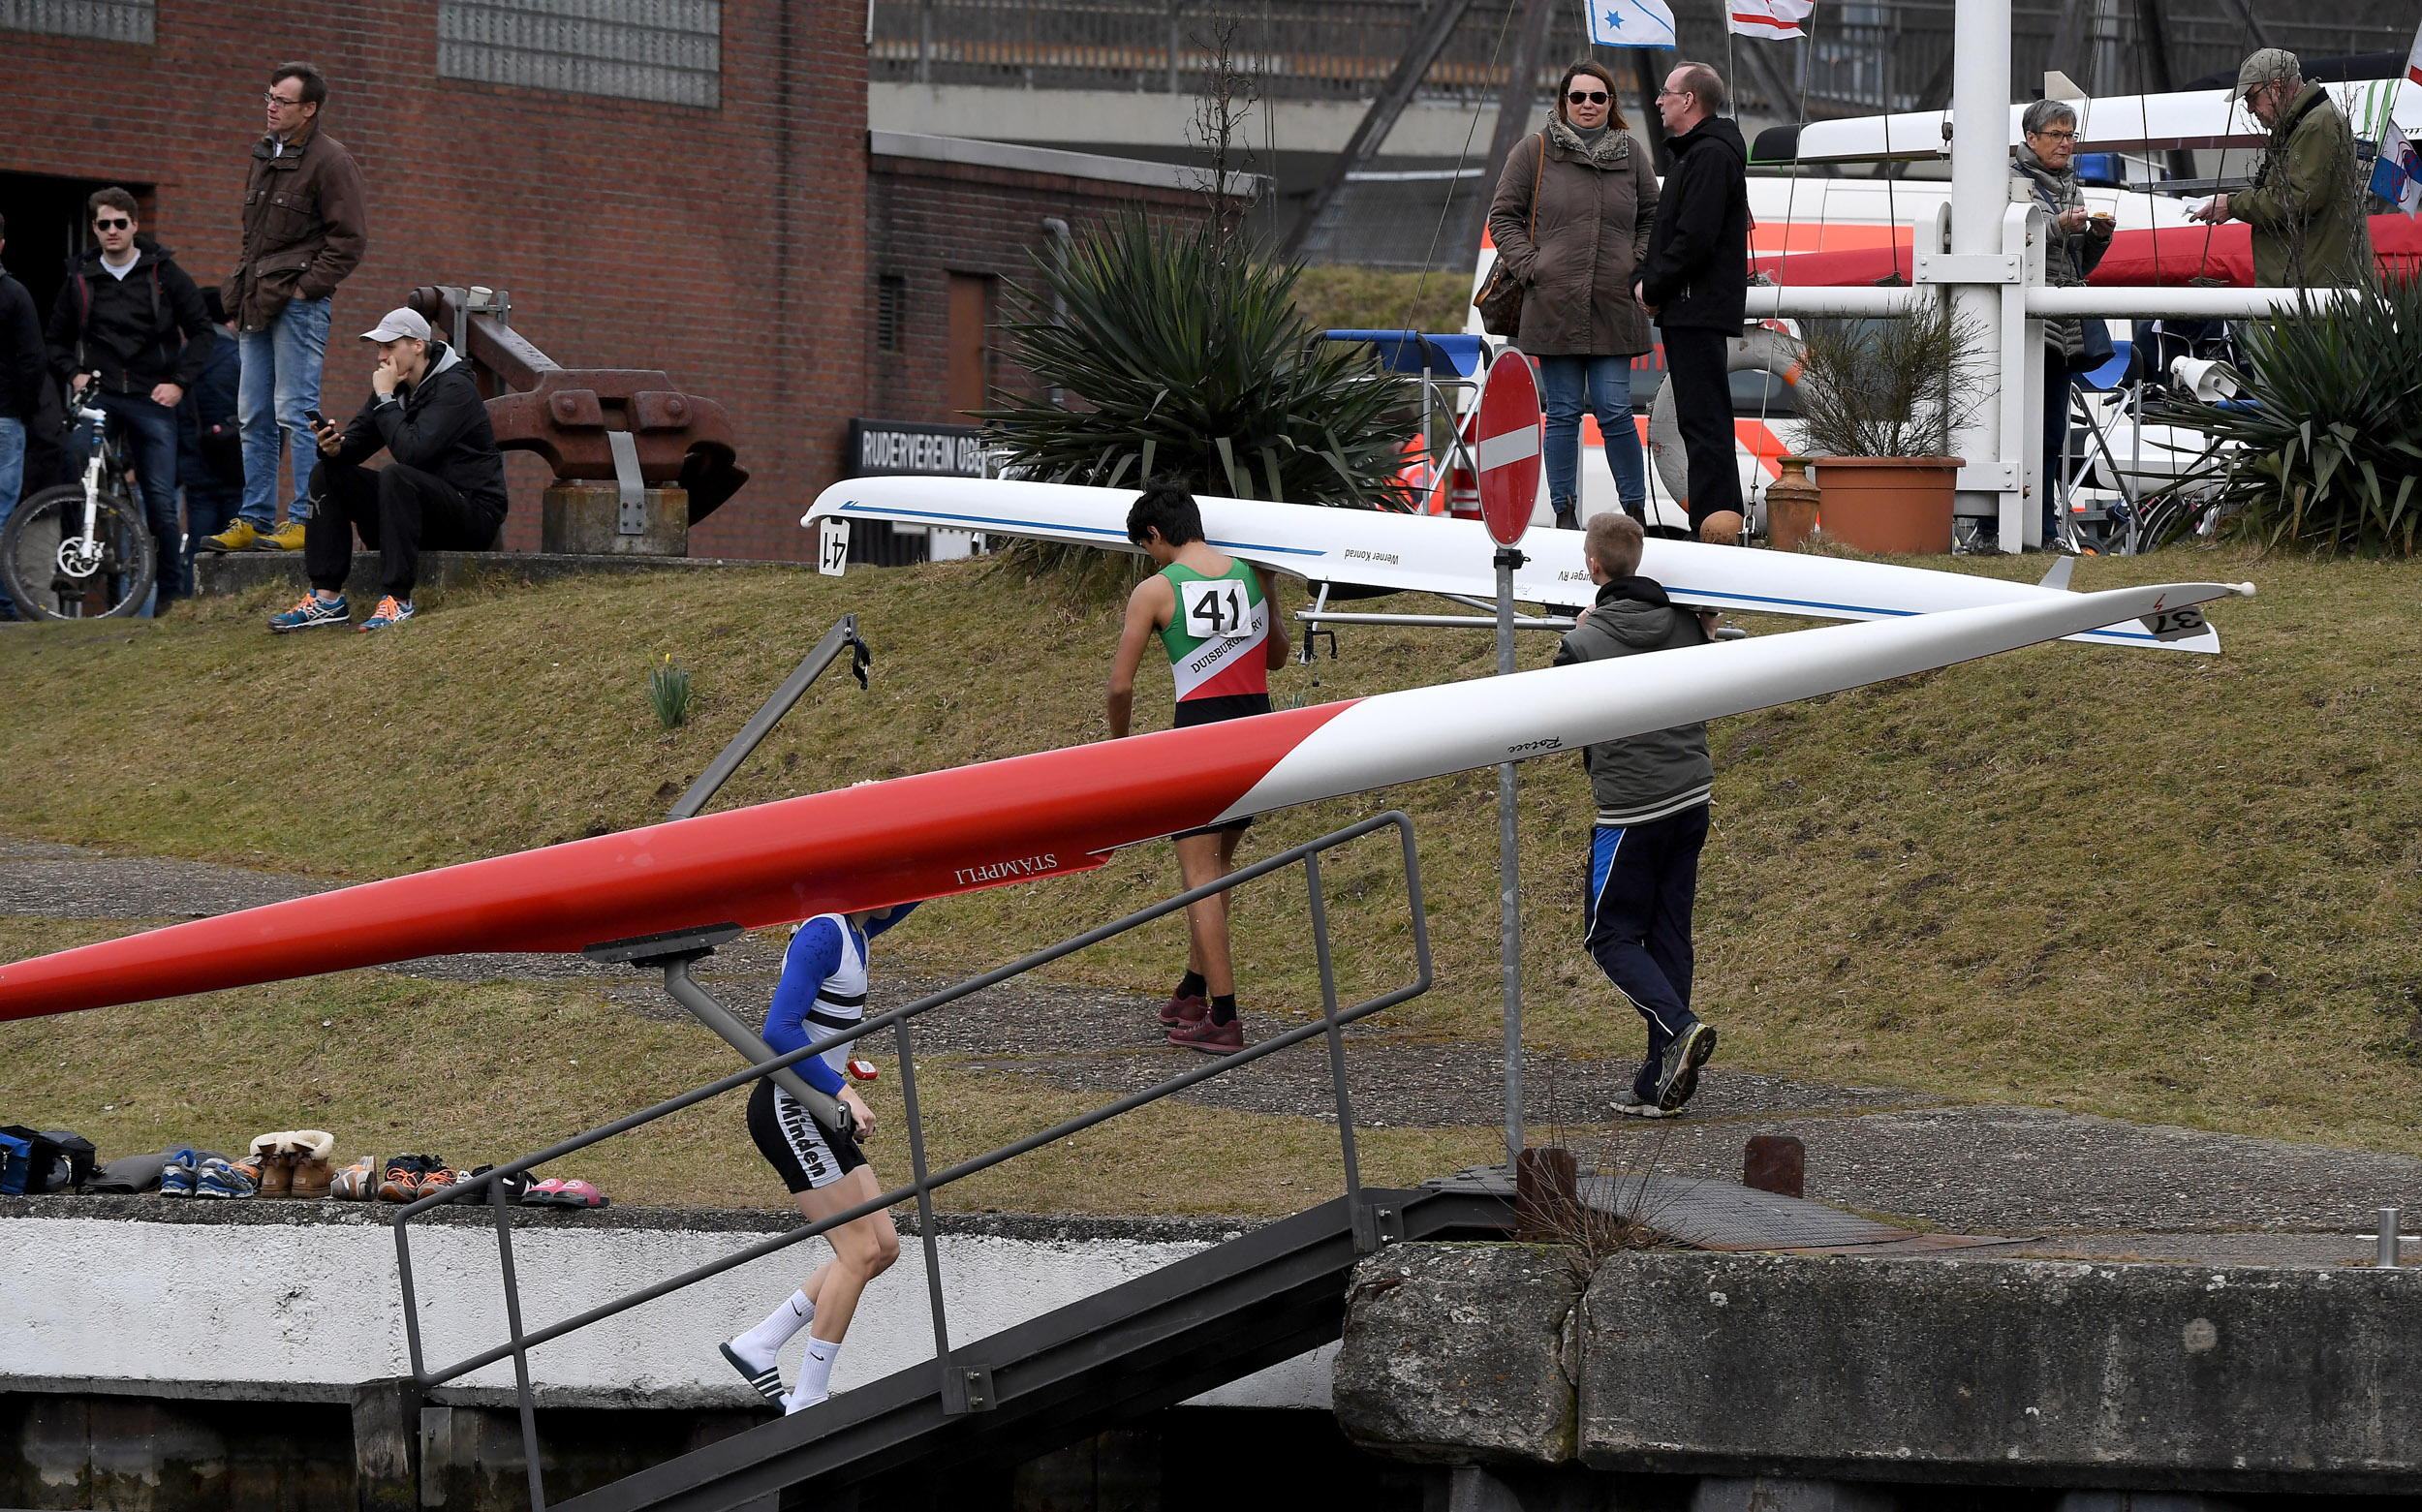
{"points": [[1208, 1038], [1189, 1009]]}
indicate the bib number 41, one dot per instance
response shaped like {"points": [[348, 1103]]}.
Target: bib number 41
{"points": [[833, 546], [1218, 611]]}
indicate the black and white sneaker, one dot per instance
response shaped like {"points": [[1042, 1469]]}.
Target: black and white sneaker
{"points": [[1632, 1104], [1677, 1069], [768, 1382]]}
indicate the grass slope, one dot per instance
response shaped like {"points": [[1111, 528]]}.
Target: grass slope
{"points": [[2164, 888]]}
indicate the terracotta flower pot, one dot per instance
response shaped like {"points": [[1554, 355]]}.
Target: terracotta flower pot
{"points": [[1890, 506], [1791, 506]]}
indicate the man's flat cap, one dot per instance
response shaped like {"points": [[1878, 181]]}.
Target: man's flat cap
{"points": [[2267, 66]]}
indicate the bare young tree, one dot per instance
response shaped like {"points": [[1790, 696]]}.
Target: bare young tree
{"points": [[1229, 99]]}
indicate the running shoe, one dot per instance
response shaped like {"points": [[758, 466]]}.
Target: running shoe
{"points": [[220, 1177], [1210, 1039], [390, 612], [290, 538], [1677, 1069], [177, 1178], [310, 611], [1186, 1010], [768, 1382], [238, 537], [1630, 1104], [402, 1181]]}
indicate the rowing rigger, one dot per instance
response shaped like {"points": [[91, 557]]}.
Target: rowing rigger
{"points": [[1051, 813]]}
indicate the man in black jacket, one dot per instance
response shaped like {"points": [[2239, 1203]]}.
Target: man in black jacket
{"points": [[209, 444], [442, 488], [130, 315], [1694, 282], [21, 365]]}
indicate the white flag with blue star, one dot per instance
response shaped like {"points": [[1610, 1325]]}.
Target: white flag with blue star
{"points": [[1630, 23]]}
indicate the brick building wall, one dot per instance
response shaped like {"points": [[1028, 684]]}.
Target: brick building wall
{"points": [[724, 245], [927, 220]]}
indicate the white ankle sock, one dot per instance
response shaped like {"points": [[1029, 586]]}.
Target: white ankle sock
{"points": [[815, 1382], [761, 1344]]}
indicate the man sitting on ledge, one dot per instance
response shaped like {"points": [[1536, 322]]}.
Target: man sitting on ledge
{"points": [[442, 488]]}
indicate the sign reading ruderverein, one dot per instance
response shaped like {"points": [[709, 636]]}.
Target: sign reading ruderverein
{"points": [[886, 448]]}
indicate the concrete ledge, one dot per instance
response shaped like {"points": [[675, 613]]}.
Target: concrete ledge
{"points": [[1461, 1352], [241, 571], [1973, 1371]]}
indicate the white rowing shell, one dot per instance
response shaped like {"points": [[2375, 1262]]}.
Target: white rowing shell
{"points": [[1437, 555]]}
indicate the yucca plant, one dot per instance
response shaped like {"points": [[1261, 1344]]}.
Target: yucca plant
{"points": [[1180, 355], [668, 691], [2328, 453]]}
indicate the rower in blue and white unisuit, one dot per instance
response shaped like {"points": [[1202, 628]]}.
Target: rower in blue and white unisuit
{"points": [[823, 991]]}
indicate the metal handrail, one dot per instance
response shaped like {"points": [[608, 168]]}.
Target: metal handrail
{"points": [[961, 1390]]}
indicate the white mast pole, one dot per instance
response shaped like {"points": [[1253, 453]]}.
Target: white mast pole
{"points": [[1981, 194]]}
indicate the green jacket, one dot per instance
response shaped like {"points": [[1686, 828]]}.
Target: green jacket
{"points": [[2307, 203]]}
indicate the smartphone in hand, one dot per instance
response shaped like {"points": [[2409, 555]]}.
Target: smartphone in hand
{"points": [[314, 419]]}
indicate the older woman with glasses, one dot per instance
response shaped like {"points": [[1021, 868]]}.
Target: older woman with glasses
{"points": [[1571, 220], [2079, 238]]}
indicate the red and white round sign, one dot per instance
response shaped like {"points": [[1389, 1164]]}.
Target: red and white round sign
{"points": [[1507, 445]]}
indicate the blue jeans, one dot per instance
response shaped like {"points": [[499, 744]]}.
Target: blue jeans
{"points": [[1605, 384], [281, 379], [147, 434], [12, 475]]}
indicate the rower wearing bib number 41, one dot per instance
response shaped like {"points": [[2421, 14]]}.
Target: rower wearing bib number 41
{"points": [[1217, 619]]}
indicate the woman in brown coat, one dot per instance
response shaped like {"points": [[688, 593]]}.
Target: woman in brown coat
{"points": [[1571, 220]]}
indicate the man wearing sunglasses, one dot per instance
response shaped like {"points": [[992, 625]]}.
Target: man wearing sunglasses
{"points": [[1694, 282], [130, 327], [305, 229]]}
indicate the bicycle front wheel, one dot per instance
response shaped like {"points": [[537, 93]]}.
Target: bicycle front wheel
{"points": [[54, 568]]}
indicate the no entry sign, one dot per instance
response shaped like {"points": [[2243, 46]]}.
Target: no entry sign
{"points": [[1508, 446]]}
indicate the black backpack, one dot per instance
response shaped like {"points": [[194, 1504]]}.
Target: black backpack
{"points": [[55, 1160]]}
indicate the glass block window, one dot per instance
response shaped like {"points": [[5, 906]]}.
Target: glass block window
{"points": [[669, 52], [104, 21]]}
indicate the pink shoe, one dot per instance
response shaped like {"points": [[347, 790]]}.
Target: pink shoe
{"points": [[578, 1194], [1209, 1038], [543, 1194]]}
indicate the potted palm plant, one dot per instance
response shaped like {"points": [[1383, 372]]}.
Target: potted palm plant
{"points": [[1180, 353], [1879, 401]]}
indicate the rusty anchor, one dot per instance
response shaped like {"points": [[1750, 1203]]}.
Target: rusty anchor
{"points": [[630, 424]]}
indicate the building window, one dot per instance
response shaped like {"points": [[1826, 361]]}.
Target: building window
{"points": [[669, 52], [890, 311], [104, 21], [970, 341]]}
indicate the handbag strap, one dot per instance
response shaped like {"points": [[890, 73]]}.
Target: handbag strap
{"points": [[1536, 172]]}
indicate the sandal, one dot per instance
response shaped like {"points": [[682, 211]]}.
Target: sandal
{"points": [[543, 1194]]}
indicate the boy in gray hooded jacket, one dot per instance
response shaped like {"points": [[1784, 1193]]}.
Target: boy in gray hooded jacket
{"points": [[1652, 793]]}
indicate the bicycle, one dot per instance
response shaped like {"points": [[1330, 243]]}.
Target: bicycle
{"points": [[80, 550]]}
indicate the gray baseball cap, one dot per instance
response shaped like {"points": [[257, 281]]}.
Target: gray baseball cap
{"points": [[397, 324], [2267, 66]]}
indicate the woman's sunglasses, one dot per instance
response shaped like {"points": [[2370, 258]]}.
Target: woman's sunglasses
{"points": [[1586, 97]]}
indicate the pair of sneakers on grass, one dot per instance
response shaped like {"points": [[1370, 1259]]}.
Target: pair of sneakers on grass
{"points": [[316, 610]]}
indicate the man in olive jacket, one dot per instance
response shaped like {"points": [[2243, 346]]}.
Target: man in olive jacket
{"points": [[305, 229], [1694, 281], [2306, 206], [1652, 793]]}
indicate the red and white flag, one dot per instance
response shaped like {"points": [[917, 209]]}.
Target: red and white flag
{"points": [[2413, 59], [1772, 19]]}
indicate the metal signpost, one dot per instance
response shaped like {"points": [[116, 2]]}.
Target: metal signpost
{"points": [[1507, 453]]}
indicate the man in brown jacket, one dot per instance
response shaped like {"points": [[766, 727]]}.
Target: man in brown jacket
{"points": [[305, 229]]}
